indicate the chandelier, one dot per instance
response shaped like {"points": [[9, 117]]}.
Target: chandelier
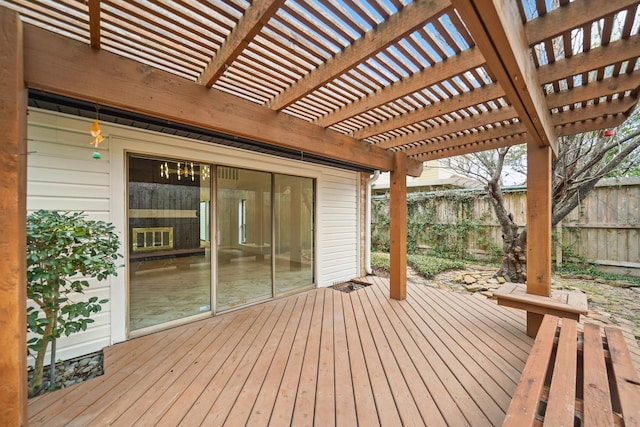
{"points": [[184, 170]]}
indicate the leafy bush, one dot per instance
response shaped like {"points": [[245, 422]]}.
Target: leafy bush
{"points": [[380, 261], [429, 266], [63, 249], [426, 265]]}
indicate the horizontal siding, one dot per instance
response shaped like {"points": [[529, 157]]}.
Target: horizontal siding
{"points": [[62, 175], [338, 228]]}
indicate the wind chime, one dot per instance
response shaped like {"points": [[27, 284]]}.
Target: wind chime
{"points": [[96, 133]]}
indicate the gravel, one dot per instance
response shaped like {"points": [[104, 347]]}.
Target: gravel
{"points": [[72, 371]]}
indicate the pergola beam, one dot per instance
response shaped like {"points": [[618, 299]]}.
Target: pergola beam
{"points": [[499, 33], [592, 125], [255, 17], [13, 211], [556, 22], [576, 95], [466, 60], [591, 112], [396, 27], [60, 65]]}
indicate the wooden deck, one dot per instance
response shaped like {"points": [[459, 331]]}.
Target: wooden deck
{"points": [[319, 358]]}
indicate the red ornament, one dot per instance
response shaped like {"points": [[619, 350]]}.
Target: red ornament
{"points": [[609, 132]]}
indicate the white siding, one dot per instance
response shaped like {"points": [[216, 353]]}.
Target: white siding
{"points": [[338, 227], [62, 175]]}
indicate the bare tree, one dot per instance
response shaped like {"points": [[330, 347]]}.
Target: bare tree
{"points": [[582, 161]]}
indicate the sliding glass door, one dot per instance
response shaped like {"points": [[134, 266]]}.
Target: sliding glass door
{"points": [[263, 231], [294, 221], [169, 244], [244, 237]]}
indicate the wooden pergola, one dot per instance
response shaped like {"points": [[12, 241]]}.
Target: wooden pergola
{"points": [[382, 84]]}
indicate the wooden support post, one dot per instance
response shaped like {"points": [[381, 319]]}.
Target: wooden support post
{"points": [[13, 157], [398, 227], [538, 227]]}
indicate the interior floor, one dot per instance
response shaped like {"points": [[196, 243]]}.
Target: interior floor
{"points": [[162, 292]]}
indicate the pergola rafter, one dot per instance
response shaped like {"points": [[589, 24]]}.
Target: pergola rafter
{"points": [[94, 23], [251, 23]]}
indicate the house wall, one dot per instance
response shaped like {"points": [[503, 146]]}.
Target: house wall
{"points": [[62, 175]]}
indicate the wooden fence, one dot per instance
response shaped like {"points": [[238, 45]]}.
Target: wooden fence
{"points": [[604, 229]]}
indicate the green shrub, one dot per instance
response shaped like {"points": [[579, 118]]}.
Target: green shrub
{"points": [[380, 261], [426, 265], [63, 250], [429, 266]]}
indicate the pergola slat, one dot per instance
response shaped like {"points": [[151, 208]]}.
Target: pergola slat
{"points": [[467, 99], [458, 64], [382, 36]]}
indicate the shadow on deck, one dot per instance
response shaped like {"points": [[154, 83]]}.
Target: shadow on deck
{"points": [[322, 357]]}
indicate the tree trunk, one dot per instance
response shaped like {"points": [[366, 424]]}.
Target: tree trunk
{"points": [[38, 368], [514, 260]]}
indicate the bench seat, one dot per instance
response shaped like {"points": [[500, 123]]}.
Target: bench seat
{"points": [[561, 303], [575, 378]]}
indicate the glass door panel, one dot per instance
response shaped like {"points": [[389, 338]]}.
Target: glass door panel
{"points": [[244, 237], [169, 244], [294, 221]]}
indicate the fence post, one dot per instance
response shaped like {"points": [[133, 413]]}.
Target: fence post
{"points": [[559, 245]]}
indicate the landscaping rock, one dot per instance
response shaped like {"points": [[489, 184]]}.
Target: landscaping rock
{"points": [[74, 371], [469, 279]]}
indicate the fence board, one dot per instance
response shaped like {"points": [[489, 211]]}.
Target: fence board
{"points": [[603, 228]]}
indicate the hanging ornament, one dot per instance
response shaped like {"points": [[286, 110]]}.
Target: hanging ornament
{"points": [[96, 133], [609, 132]]}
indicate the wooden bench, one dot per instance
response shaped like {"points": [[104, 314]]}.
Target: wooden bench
{"points": [[575, 378], [561, 303]]}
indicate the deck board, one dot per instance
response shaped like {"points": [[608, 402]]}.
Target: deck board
{"points": [[321, 358], [406, 386]]}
